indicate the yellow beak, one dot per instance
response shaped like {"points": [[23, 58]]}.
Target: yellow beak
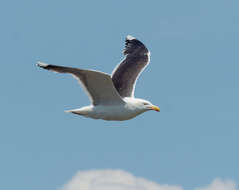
{"points": [[156, 108]]}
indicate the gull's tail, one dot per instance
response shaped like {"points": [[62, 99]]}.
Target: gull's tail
{"points": [[78, 111]]}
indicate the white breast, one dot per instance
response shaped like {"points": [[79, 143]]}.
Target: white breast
{"points": [[114, 112]]}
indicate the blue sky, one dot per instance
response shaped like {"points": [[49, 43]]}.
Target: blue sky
{"points": [[193, 77]]}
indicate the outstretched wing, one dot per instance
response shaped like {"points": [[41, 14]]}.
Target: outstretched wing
{"points": [[126, 73], [98, 85]]}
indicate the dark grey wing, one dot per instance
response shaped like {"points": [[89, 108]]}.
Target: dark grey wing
{"points": [[126, 73]]}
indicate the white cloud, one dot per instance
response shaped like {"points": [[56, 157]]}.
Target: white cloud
{"points": [[108, 179], [112, 180], [218, 184]]}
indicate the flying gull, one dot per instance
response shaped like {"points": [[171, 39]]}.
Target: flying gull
{"points": [[112, 96]]}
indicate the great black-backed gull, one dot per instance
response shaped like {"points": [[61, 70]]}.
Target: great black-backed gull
{"points": [[112, 96]]}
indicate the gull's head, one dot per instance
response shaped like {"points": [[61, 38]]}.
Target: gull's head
{"points": [[144, 105]]}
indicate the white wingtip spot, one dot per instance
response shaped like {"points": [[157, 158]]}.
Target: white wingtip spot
{"points": [[67, 111], [41, 64], [129, 37]]}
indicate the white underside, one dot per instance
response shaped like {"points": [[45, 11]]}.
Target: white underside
{"points": [[118, 112]]}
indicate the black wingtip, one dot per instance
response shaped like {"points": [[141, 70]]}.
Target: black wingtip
{"points": [[131, 44]]}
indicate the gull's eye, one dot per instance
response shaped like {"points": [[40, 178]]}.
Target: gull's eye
{"points": [[145, 103]]}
